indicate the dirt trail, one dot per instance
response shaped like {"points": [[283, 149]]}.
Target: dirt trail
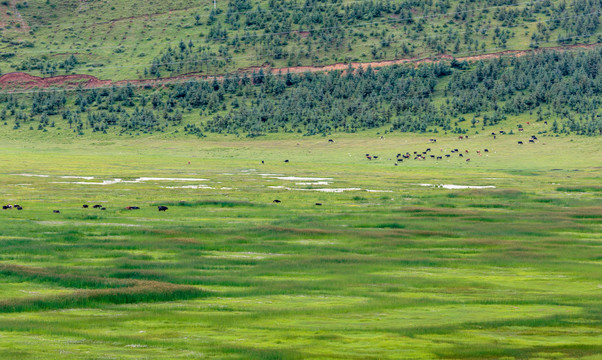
{"points": [[20, 81]]}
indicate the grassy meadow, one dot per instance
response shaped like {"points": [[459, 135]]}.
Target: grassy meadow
{"points": [[385, 268]]}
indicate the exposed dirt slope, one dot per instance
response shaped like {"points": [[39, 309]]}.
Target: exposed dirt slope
{"points": [[21, 81]]}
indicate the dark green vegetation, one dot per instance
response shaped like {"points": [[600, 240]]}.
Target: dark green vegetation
{"points": [[145, 39], [508, 272], [562, 91]]}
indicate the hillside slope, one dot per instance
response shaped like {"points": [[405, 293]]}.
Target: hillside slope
{"points": [[120, 40]]}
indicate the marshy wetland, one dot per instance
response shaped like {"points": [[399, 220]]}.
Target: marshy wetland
{"points": [[496, 258]]}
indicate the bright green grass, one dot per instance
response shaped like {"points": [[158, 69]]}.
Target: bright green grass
{"points": [[225, 273]]}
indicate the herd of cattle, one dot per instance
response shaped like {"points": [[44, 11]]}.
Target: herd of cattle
{"points": [[427, 153], [85, 206], [400, 157]]}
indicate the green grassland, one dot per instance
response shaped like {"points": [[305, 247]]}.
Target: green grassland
{"points": [[383, 269], [121, 39]]}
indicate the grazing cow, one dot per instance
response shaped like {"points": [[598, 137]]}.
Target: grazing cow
{"points": [[461, 155], [97, 206], [486, 150], [263, 162], [528, 123], [5, 207], [533, 137], [493, 137], [319, 204], [447, 155], [493, 133], [466, 136], [330, 141], [545, 122], [521, 129], [285, 161], [531, 141], [367, 154], [466, 151], [520, 142], [467, 160], [399, 160], [56, 211], [103, 208], [433, 156], [162, 208], [369, 157], [395, 164], [429, 149], [276, 201], [456, 150], [19, 208], [376, 157], [398, 155], [502, 132], [460, 137], [132, 208], [439, 157], [85, 206]]}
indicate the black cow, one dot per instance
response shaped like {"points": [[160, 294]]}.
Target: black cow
{"points": [[531, 141], [103, 208], [533, 137], [439, 157], [520, 142], [5, 207], [19, 208], [85, 206], [433, 156], [461, 155], [285, 161], [486, 150], [277, 201], [56, 211], [330, 140], [399, 160], [319, 204], [97, 206], [162, 208], [262, 162], [376, 157], [447, 155], [429, 149]]}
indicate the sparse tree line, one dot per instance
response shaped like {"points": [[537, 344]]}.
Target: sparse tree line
{"points": [[564, 88], [318, 32], [253, 32]]}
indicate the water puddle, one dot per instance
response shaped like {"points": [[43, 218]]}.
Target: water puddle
{"points": [[454, 187]]}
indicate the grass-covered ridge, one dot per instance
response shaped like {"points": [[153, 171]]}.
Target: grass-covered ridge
{"points": [[558, 92], [148, 39]]}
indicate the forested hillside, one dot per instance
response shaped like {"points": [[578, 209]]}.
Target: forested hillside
{"points": [[149, 39], [561, 90]]}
